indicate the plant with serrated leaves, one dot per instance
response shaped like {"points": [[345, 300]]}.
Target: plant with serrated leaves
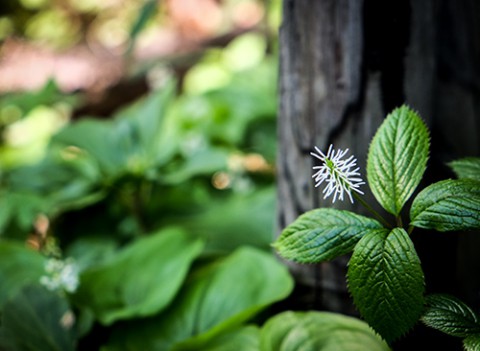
{"points": [[385, 276]]}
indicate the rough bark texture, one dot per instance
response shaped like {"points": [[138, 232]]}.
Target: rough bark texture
{"points": [[344, 64]]}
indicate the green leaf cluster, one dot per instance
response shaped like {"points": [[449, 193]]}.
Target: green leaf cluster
{"points": [[165, 301], [128, 287], [320, 331], [131, 199], [212, 308], [31, 317], [385, 275], [156, 156], [215, 298]]}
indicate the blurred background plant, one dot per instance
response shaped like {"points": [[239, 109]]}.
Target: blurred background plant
{"points": [[196, 119], [120, 120], [137, 196]]}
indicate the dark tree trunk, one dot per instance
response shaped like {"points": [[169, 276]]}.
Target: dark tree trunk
{"points": [[344, 64]]}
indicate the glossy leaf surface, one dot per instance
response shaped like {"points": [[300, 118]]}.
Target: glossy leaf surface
{"points": [[386, 281], [397, 158], [450, 315], [448, 205], [323, 234], [472, 343]]}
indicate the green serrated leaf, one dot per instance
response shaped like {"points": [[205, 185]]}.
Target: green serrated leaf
{"points": [[448, 205], [450, 315], [386, 281], [472, 343], [397, 158], [318, 331], [468, 167], [323, 234]]}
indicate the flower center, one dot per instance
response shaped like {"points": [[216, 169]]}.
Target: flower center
{"points": [[330, 164]]}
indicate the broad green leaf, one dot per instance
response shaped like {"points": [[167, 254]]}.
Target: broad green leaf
{"points": [[141, 280], [323, 234], [152, 133], [235, 221], [64, 179], [450, 315], [318, 331], [247, 338], [226, 115], [245, 51], [397, 158], [90, 251], [386, 281], [20, 209], [37, 320], [35, 130], [472, 343], [467, 168], [96, 138], [214, 300], [137, 139], [448, 205], [25, 101], [204, 162], [19, 266]]}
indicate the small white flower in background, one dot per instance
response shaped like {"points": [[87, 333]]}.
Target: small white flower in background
{"points": [[340, 175], [60, 275]]}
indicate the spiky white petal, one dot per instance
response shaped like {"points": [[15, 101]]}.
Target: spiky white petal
{"points": [[340, 175]]}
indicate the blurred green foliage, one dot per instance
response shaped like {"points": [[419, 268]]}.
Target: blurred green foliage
{"points": [[62, 24], [166, 207], [112, 24]]}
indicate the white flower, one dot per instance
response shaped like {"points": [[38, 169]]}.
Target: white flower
{"points": [[338, 174], [60, 275]]}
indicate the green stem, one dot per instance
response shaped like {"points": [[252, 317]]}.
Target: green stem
{"points": [[399, 221], [370, 208]]}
